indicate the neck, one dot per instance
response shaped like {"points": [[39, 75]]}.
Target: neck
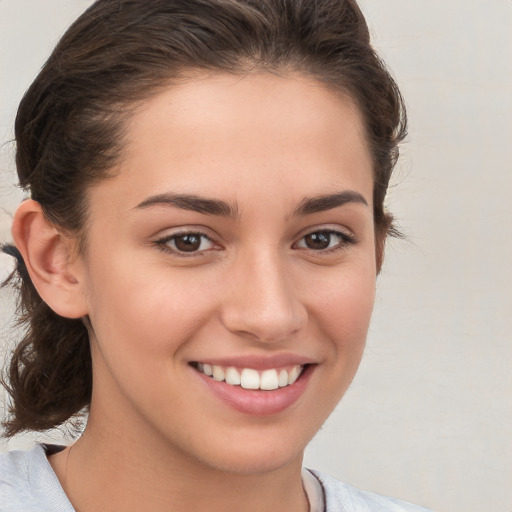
{"points": [[109, 471]]}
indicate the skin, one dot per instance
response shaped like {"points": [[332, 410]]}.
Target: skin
{"points": [[262, 144]]}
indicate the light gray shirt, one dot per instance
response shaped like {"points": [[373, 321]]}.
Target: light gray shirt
{"points": [[28, 484]]}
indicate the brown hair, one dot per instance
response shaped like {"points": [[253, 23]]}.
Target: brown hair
{"points": [[69, 131]]}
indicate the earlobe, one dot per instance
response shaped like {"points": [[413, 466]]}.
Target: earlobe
{"points": [[51, 260]]}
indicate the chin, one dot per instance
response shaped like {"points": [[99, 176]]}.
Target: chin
{"points": [[250, 456], [263, 461]]}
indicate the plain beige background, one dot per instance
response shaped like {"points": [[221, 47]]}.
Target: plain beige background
{"points": [[429, 416]]}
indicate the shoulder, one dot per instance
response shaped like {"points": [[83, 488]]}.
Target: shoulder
{"points": [[341, 497], [15, 490], [28, 483]]}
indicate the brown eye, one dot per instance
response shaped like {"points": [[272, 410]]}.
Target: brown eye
{"points": [[190, 243], [325, 241], [187, 243], [318, 241]]}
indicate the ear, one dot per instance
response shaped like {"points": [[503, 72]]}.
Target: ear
{"points": [[51, 259]]}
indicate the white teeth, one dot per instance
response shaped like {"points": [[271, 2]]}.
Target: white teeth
{"points": [[250, 379], [233, 377], [294, 374], [269, 380], [218, 373], [283, 379]]}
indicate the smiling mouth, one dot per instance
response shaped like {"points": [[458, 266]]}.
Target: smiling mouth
{"points": [[248, 378]]}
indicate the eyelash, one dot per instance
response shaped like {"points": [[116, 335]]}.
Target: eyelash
{"points": [[163, 243], [345, 240]]}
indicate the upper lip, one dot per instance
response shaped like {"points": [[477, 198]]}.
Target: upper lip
{"points": [[258, 362]]}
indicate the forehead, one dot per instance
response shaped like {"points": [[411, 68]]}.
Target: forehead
{"points": [[232, 102], [221, 132]]}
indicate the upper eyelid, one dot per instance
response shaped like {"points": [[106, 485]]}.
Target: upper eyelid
{"points": [[177, 231], [334, 232], [203, 231], [329, 228], [163, 240], [346, 239]]}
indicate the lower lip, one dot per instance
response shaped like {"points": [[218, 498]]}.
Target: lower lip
{"points": [[258, 402]]}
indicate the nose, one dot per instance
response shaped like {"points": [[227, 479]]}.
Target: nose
{"points": [[261, 302]]}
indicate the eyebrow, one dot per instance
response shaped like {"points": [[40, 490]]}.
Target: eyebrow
{"points": [[326, 202], [307, 206], [192, 203]]}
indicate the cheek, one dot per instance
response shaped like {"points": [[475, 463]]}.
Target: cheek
{"points": [[342, 305], [146, 312], [340, 312]]}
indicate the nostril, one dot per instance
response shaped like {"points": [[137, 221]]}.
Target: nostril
{"points": [[272, 325]]}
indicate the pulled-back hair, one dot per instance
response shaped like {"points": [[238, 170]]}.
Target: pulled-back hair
{"points": [[69, 134]]}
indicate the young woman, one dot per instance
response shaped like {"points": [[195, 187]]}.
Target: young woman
{"points": [[198, 256]]}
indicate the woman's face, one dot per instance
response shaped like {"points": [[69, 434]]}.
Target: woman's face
{"points": [[237, 238]]}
